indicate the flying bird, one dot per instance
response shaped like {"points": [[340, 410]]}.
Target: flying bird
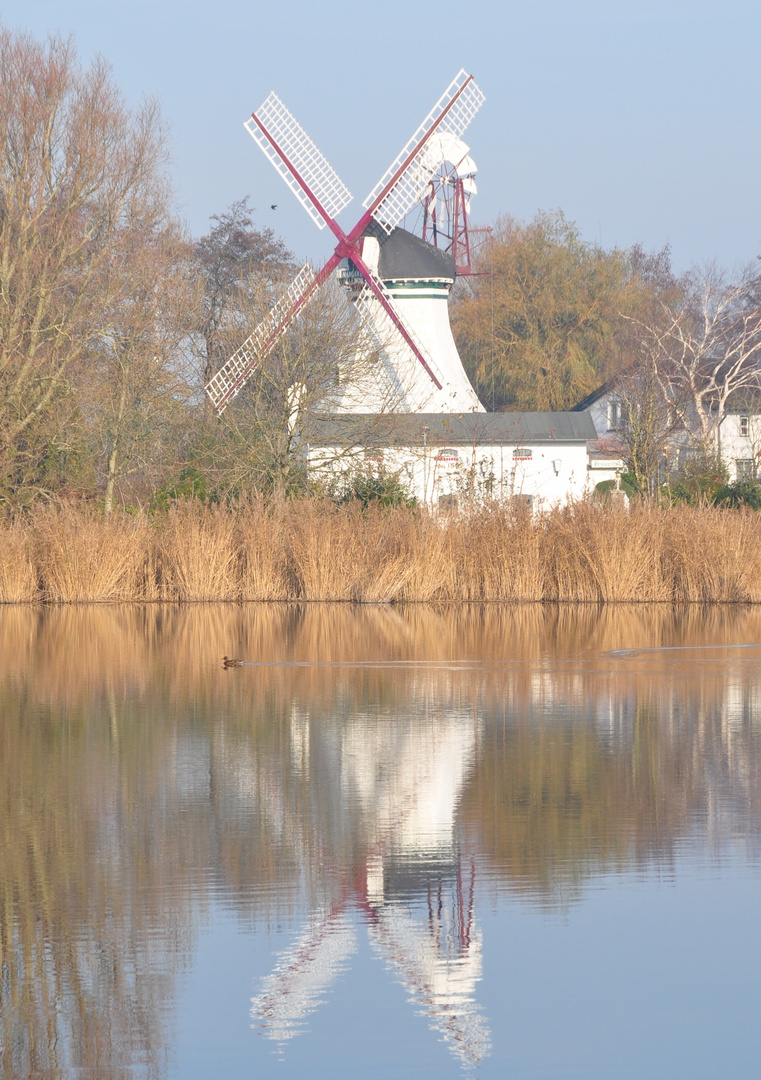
{"points": [[273, 206]]}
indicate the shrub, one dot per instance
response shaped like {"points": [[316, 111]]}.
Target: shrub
{"points": [[699, 481], [746, 492], [628, 484], [381, 488], [190, 484]]}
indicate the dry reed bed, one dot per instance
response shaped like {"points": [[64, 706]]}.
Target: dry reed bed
{"points": [[311, 549]]}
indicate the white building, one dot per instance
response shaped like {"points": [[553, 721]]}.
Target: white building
{"points": [[539, 458], [390, 417], [738, 434], [739, 438]]}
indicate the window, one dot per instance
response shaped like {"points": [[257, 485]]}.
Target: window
{"points": [[614, 415], [522, 453], [448, 454], [745, 469], [375, 456], [745, 426]]}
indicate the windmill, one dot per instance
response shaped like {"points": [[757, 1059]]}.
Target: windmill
{"points": [[323, 195]]}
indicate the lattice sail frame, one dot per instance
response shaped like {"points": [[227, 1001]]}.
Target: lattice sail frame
{"points": [[408, 188], [229, 380], [286, 143]]}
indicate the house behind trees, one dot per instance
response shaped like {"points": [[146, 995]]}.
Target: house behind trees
{"points": [[735, 443]]}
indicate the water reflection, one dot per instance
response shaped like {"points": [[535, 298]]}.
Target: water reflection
{"points": [[398, 782], [379, 772]]}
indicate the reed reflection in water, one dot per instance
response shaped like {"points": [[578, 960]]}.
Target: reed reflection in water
{"points": [[376, 771]]}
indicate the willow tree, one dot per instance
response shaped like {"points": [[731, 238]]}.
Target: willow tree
{"points": [[541, 325], [82, 178]]}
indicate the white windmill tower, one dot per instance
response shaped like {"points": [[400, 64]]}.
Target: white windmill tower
{"points": [[400, 284]]}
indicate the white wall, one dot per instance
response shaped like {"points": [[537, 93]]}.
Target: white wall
{"points": [[554, 474], [600, 411], [599, 474], [396, 380], [740, 442]]}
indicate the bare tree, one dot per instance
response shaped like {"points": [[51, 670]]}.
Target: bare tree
{"points": [[649, 421], [262, 436], [705, 347], [80, 175], [139, 387], [227, 257]]}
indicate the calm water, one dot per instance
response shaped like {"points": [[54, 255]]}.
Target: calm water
{"points": [[498, 842]]}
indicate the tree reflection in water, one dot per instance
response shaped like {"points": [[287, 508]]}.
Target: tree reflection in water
{"points": [[379, 767]]}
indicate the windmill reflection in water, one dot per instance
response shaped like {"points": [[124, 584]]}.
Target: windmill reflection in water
{"points": [[408, 883]]}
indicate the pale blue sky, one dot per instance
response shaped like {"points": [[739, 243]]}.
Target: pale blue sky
{"points": [[642, 123]]}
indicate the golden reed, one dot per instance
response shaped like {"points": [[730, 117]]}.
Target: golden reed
{"points": [[311, 549]]}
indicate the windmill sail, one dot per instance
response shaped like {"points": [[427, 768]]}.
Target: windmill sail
{"points": [[229, 380], [306, 171], [403, 183], [440, 973], [303, 974]]}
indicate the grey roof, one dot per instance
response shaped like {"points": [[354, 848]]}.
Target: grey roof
{"points": [[404, 256], [590, 399], [746, 400], [445, 429]]}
